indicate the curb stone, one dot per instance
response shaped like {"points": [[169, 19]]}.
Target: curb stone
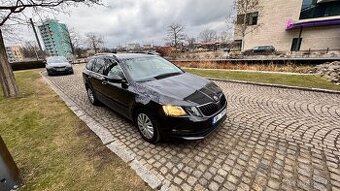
{"points": [[109, 141], [251, 71], [278, 86]]}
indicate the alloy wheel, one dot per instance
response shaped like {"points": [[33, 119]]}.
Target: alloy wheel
{"points": [[145, 126], [90, 95]]}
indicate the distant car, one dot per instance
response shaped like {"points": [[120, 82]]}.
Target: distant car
{"points": [[163, 100], [58, 65], [260, 50]]}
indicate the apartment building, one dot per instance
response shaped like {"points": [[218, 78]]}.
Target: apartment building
{"points": [[14, 54], [292, 25], [56, 38]]}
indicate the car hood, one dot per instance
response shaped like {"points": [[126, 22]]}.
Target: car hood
{"points": [[62, 64], [185, 89]]}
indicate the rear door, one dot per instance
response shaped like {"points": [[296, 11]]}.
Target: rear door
{"points": [[97, 79]]}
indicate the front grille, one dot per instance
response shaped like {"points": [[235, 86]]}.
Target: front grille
{"points": [[212, 108], [59, 67]]}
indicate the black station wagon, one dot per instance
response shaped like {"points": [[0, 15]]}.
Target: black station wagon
{"points": [[160, 98]]}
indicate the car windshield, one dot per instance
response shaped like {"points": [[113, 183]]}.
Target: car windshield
{"points": [[150, 68], [56, 60]]}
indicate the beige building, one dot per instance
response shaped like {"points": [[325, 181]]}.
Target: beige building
{"points": [[14, 54], [292, 25]]}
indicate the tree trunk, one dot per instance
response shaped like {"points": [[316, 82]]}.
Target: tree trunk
{"points": [[7, 80]]}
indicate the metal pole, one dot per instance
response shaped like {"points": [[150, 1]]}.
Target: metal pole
{"points": [[300, 40], [9, 172], [36, 34]]}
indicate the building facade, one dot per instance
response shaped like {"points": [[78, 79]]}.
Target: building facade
{"points": [[14, 54], [292, 25], [56, 38]]}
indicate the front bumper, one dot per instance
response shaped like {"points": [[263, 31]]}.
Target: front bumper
{"points": [[59, 71], [189, 128]]}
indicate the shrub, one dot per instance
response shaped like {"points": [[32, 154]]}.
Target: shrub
{"points": [[27, 65]]}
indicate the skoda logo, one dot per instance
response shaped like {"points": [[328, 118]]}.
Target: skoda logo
{"points": [[215, 98]]}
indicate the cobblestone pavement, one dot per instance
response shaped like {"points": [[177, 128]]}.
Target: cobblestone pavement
{"points": [[273, 139]]}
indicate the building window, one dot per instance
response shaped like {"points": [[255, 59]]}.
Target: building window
{"points": [[319, 8], [250, 20], [240, 19], [237, 45], [296, 44]]}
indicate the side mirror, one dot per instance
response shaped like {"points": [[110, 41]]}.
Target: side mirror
{"points": [[116, 79]]}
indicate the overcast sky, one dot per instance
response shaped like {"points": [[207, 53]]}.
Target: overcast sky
{"points": [[145, 21]]}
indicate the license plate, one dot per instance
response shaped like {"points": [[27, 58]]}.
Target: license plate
{"points": [[219, 116], [60, 69]]}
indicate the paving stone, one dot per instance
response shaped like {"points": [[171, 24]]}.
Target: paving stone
{"points": [[213, 186], [319, 186], [232, 179], [320, 179], [274, 184], [191, 180]]}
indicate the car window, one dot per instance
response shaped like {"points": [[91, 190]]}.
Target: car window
{"points": [[56, 59], [89, 65], [148, 68], [113, 68], [99, 66]]}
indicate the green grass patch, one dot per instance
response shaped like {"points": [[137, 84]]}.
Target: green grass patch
{"points": [[53, 149], [310, 81]]}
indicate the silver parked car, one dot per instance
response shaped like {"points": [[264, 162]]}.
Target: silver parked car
{"points": [[58, 65]]}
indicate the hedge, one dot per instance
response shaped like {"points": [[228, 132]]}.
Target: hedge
{"points": [[27, 65]]}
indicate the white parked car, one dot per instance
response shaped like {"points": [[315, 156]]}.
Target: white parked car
{"points": [[58, 65]]}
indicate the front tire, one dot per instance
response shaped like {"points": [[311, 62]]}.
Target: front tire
{"points": [[92, 97], [147, 126]]}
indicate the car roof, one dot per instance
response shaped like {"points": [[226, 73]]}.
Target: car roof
{"points": [[264, 46], [55, 57], [124, 56]]}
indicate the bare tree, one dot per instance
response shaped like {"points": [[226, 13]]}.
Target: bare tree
{"points": [[95, 41], [31, 50], [244, 19], [13, 10], [72, 39], [225, 37], [191, 42], [76, 42], [175, 35], [208, 35]]}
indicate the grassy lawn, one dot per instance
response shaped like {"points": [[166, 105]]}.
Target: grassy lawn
{"points": [[311, 81], [53, 149]]}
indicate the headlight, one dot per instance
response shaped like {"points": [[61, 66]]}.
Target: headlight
{"points": [[170, 110]]}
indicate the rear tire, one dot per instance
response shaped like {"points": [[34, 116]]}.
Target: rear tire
{"points": [[147, 126], [92, 97]]}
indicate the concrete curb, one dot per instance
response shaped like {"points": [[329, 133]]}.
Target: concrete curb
{"points": [[279, 86], [250, 71], [110, 142]]}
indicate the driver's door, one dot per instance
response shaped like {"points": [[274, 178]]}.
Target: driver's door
{"points": [[121, 99]]}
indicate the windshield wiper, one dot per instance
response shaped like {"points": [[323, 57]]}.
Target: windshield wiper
{"points": [[167, 75]]}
